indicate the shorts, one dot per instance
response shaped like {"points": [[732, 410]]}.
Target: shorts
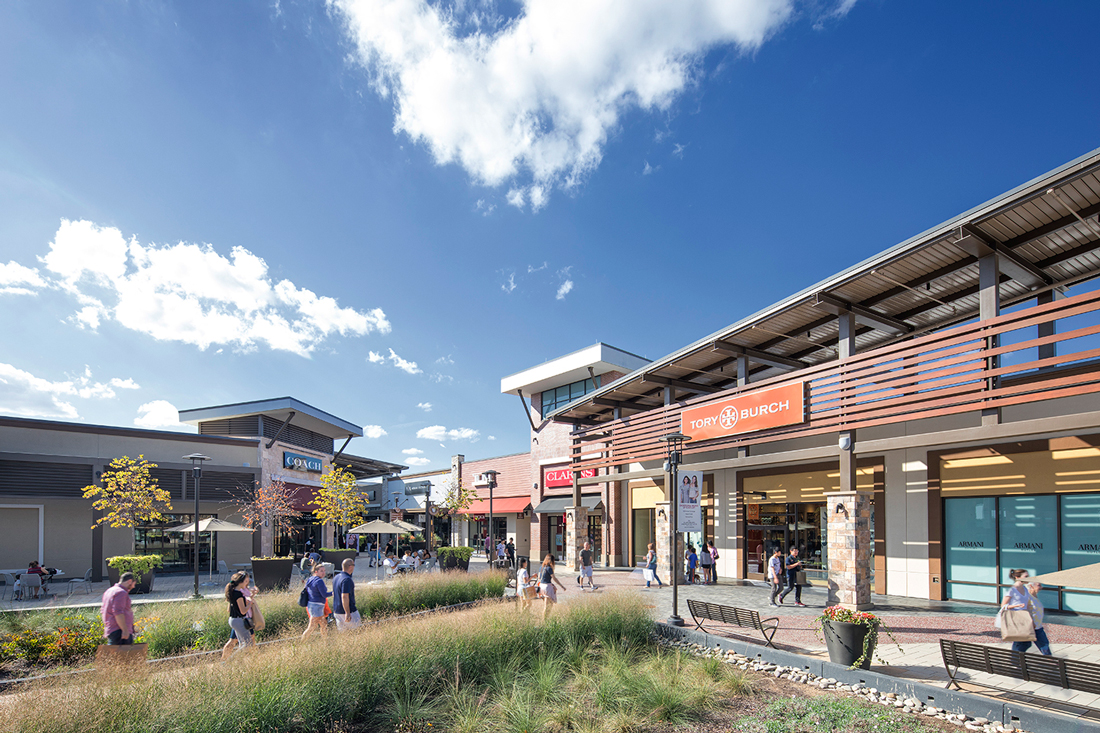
{"points": [[316, 610], [115, 638], [586, 571], [351, 623], [549, 591]]}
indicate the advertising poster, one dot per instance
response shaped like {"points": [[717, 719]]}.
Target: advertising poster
{"points": [[689, 516]]}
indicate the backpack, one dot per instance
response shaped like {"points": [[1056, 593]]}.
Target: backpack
{"points": [[303, 599]]}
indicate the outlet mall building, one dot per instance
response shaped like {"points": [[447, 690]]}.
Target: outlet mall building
{"points": [[917, 424]]}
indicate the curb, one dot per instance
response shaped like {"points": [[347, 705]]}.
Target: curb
{"points": [[974, 705]]}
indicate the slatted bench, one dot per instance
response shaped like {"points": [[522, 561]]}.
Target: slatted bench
{"points": [[1069, 674], [743, 617]]}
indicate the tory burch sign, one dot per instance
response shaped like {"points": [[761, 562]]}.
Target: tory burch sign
{"points": [[759, 410]]}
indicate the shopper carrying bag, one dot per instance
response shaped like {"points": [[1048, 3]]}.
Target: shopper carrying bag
{"points": [[1017, 623]]}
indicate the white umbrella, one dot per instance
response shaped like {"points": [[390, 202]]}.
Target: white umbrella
{"points": [[210, 524], [1086, 576], [407, 526], [378, 528]]}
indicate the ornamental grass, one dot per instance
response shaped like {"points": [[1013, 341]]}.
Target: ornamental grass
{"points": [[591, 667]]}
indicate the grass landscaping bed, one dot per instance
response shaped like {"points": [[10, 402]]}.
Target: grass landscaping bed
{"points": [[594, 666]]}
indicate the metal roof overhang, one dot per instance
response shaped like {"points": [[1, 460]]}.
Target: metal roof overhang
{"points": [[362, 468], [1045, 232], [558, 504], [279, 408]]}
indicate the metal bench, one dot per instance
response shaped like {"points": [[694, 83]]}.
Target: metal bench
{"points": [[743, 617], [1069, 674]]}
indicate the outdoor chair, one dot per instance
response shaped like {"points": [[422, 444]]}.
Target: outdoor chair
{"points": [[84, 582], [30, 586], [9, 585], [223, 571]]}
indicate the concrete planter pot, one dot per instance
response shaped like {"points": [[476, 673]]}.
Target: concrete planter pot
{"points": [[144, 584], [336, 557], [272, 574], [845, 642]]}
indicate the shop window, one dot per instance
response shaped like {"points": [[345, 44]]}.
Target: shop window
{"points": [[971, 538], [552, 399], [1080, 519], [1028, 530]]}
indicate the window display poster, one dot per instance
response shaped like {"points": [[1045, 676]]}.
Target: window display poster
{"points": [[689, 492]]}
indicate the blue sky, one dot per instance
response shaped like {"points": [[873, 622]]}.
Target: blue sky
{"points": [[379, 206]]}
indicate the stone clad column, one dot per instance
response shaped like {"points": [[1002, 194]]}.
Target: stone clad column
{"points": [[576, 532], [662, 544], [849, 544]]}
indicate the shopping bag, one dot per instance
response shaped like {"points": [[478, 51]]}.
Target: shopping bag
{"points": [[800, 578], [647, 575], [258, 622], [121, 660], [997, 619], [1017, 626]]}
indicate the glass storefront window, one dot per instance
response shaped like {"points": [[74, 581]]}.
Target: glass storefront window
{"points": [[1080, 519], [1028, 530], [970, 534], [782, 525], [175, 548]]}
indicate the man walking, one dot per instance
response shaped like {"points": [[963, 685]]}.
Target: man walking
{"points": [[510, 551], [117, 613], [489, 549], [586, 566], [794, 565], [343, 597], [775, 573]]}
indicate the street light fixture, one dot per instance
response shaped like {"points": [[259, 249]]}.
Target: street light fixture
{"points": [[675, 442], [196, 473], [491, 477]]}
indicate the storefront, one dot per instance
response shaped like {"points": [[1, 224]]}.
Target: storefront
{"points": [[1009, 507]]}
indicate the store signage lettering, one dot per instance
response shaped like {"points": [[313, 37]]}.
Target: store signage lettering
{"points": [[564, 477], [759, 410], [298, 462], [1029, 546], [1089, 548], [971, 543], [418, 487]]}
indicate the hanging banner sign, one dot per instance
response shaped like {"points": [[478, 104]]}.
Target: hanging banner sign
{"points": [[689, 513], [760, 410], [564, 477]]}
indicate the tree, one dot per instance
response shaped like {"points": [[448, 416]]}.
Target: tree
{"points": [[268, 505], [339, 500], [128, 496], [457, 495]]}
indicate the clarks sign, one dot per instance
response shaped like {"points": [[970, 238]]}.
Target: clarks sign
{"points": [[767, 408], [564, 477]]}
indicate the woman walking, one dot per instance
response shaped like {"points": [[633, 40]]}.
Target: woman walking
{"points": [[239, 607], [1019, 599], [317, 593], [651, 568], [525, 588], [706, 562], [546, 584], [713, 550]]}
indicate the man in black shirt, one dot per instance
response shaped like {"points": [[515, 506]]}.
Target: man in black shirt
{"points": [[586, 565], [794, 565]]}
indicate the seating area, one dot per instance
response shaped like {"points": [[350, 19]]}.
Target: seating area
{"points": [[1068, 674], [742, 617]]}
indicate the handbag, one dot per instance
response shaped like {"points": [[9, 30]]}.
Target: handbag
{"points": [[303, 598], [1017, 625], [258, 622], [800, 578]]}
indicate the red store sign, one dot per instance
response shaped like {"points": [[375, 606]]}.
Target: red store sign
{"points": [[564, 477]]}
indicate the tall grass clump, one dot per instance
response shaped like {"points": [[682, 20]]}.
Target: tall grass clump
{"points": [[490, 668]]}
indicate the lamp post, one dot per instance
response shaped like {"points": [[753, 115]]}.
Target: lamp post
{"points": [[196, 473], [675, 442], [491, 477]]}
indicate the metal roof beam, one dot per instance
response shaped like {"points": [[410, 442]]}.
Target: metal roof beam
{"points": [[621, 404], [1011, 264], [1077, 251], [864, 316], [680, 384], [760, 357], [1054, 226]]}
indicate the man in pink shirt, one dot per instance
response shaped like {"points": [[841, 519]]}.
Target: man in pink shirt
{"points": [[116, 612]]}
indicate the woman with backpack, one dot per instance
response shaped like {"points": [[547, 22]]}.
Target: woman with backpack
{"points": [[315, 598]]}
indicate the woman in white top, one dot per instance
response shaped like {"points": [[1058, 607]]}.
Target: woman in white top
{"points": [[525, 586], [775, 573], [1019, 599]]}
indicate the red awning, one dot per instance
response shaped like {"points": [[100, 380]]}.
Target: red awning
{"points": [[504, 505]]}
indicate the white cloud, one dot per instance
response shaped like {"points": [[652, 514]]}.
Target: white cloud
{"points": [[25, 395], [438, 433], [485, 207], [648, 170], [418, 461], [531, 101], [124, 383], [375, 358], [373, 431], [678, 150], [492, 437], [532, 268], [425, 406], [564, 289], [509, 286], [15, 279], [404, 364], [158, 414], [193, 294], [413, 452], [445, 360], [441, 378]]}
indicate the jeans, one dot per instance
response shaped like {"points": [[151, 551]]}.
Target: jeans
{"points": [[791, 585], [776, 587], [1040, 641], [654, 571]]}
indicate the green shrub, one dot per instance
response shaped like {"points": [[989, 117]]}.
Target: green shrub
{"points": [[139, 565], [460, 553]]}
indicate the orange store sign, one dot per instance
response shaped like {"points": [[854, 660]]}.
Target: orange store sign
{"points": [[767, 408]]}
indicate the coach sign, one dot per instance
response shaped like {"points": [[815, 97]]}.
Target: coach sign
{"points": [[760, 410], [298, 462]]}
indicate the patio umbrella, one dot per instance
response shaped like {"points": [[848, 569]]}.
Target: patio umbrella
{"points": [[1086, 576], [378, 528], [210, 524], [407, 526]]}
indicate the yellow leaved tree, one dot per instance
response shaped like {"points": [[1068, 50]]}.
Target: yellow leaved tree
{"points": [[338, 500], [127, 495]]}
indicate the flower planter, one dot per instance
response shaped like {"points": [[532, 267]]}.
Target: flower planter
{"points": [[273, 574], [144, 584], [845, 642], [336, 557]]}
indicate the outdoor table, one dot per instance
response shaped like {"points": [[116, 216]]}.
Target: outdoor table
{"points": [[403, 568], [243, 565]]}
